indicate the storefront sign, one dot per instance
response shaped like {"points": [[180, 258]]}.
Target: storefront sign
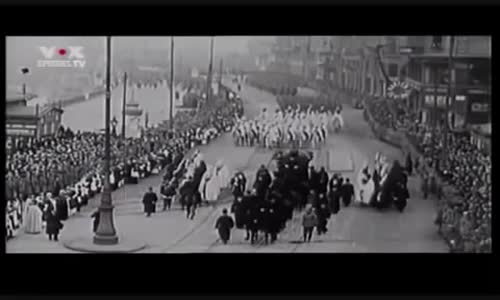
{"points": [[479, 109], [20, 132], [439, 100]]}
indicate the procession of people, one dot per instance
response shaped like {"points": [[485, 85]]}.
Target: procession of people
{"points": [[294, 127]]}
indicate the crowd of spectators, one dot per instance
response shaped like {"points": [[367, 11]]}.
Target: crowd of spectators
{"points": [[464, 218], [275, 82], [70, 162]]}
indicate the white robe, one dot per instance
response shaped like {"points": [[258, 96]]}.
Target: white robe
{"points": [[223, 177], [33, 220], [204, 181], [212, 189], [365, 191], [338, 118]]}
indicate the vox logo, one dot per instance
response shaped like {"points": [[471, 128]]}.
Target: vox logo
{"points": [[66, 57]]}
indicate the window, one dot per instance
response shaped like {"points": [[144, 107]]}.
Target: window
{"points": [[393, 70], [437, 42]]}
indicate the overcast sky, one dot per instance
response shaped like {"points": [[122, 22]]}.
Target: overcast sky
{"points": [[25, 51]]}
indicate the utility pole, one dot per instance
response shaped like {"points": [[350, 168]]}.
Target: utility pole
{"points": [[209, 76], [450, 97], [220, 73], [435, 70], [124, 104], [171, 110]]}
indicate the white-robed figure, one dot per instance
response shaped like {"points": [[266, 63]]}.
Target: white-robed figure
{"points": [[205, 179], [222, 175], [33, 218], [212, 188], [384, 169], [366, 186], [337, 120]]}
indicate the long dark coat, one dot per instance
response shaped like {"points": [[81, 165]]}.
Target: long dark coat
{"points": [[149, 202], [347, 192], [334, 202], [224, 225], [323, 182], [313, 179], [275, 217], [186, 192], [62, 208], [54, 225]]}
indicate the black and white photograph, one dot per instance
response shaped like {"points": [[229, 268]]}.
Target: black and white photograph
{"points": [[248, 144]]}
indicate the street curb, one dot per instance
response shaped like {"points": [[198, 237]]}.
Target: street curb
{"points": [[87, 246]]}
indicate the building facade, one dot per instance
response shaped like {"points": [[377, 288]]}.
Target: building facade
{"points": [[429, 75], [23, 120]]}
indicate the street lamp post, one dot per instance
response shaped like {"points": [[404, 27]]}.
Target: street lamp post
{"points": [[171, 106], [106, 233], [124, 104], [25, 71]]}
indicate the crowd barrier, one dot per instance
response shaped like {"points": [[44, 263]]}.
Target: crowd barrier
{"points": [[449, 230]]}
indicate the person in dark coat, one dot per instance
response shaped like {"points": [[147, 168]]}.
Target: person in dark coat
{"points": [[167, 193], [401, 196], [377, 188], [96, 216], [323, 181], [149, 201], [274, 219], [313, 179], [334, 194], [253, 213], [347, 192], [54, 225], [323, 214], [224, 225], [62, 206], [238, 184], [190, 198]]}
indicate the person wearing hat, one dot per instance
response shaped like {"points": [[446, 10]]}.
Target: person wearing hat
{"points": [[224, 225], [54, 225], [149, 201]]}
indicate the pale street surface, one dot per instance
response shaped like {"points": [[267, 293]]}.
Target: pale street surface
{"points": [[353, 229]]}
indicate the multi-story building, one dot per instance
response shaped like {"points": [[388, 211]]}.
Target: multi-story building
{"points": [[429, 75], [23, 120], [353, 63], [349, 62], [299, 55]]}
